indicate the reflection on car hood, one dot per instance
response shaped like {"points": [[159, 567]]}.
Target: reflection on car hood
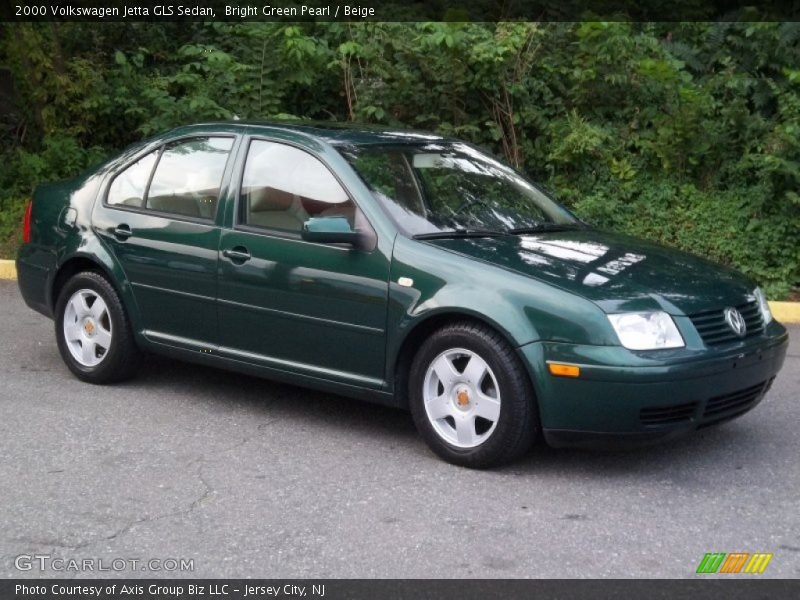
{"points": [[616, 271]]}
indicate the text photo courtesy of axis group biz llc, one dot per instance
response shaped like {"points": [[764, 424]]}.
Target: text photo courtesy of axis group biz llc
{"points": [[458, 299]]}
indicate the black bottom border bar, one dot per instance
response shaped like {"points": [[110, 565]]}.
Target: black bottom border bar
{"points": [[400, 589]]}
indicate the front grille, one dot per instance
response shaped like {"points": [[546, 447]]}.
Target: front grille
{"points": [[735, 403], [667, 415], [711, 325]]}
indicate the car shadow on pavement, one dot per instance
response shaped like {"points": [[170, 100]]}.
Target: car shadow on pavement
{"points": [[259, 398], [688, 460]]}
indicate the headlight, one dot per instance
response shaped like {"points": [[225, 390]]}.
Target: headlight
{"points": [[646, 330], [763, 305]]}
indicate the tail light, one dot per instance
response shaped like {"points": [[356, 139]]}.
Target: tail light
{"points": [[26, 225]]}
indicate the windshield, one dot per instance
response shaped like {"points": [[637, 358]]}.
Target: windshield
{"points": [[435, 188]]}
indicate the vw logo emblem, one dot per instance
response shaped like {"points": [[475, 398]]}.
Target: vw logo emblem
{"points": [[735, 321]]}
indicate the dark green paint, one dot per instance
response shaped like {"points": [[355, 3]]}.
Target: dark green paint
{"points": [[332, 315], [329, 230]]}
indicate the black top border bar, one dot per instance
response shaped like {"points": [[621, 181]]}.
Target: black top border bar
{"points": [[401, 10]]}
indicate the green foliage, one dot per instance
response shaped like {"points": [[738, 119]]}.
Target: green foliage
{"points": [[685, 133], [11, 215]]}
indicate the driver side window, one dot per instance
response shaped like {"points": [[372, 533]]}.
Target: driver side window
{"points": [[283, 186]]}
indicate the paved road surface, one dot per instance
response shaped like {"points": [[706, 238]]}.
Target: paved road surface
{"points": [[250, 478]]}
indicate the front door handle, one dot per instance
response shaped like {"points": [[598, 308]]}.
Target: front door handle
{"points": [[238, 254], [122, 232]]}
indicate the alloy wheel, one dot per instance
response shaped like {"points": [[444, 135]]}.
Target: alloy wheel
{"points": [[87, 327], [462, 398]]}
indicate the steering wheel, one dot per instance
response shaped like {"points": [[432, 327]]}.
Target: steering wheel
{"points": [[469, 203]]}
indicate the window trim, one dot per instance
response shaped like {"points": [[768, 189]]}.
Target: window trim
{"points": [[240, 224], [385, 211], [152, 174], [143, 210]]}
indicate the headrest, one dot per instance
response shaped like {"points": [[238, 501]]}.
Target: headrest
{"points": [[269, 199]]}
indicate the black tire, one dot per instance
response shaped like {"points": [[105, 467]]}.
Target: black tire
{"points": [[517, 425], [122, 358]]}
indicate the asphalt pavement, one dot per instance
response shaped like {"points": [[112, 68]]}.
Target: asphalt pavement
{"points": [[241, 477]]}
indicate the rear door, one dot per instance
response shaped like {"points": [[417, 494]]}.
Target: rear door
{"points": [[159, 218], [317, 309]]}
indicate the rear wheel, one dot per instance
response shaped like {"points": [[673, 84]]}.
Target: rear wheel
{"points": [[92, 330], [471, 398]]}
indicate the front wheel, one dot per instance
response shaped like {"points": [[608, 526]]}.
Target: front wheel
{"points": [[92, 330], [471, 398]]}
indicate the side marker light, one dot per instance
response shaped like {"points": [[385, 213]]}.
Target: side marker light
{"points": [[564, 370]]}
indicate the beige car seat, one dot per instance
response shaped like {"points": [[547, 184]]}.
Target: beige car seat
{"points": [[275, 209]]}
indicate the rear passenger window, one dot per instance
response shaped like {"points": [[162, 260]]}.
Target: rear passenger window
{"points": [[188, 177], [129, 187], [283, 186]]}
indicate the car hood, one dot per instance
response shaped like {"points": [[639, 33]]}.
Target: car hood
{"points": [[616, 271]]}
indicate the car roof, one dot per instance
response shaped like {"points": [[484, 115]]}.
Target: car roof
{"points": [[334, 133]]}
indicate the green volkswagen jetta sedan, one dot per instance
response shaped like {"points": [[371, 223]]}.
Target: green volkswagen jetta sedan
{"points": [[401, 267]]}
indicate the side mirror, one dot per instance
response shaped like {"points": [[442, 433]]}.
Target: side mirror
{"points": [[330, 230]]}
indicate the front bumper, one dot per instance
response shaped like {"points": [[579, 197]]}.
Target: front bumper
{"points": [[625, 398]]}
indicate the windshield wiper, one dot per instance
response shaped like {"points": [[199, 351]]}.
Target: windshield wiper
{"points": [[460, 233], [546, 227]]}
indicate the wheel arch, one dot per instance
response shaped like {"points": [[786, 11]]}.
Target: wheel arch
{"points": [[71, 267], [81, 262], [422, 329]]}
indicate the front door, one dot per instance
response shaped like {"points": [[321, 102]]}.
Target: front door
{"points": [[316, 309], [158, 217]]}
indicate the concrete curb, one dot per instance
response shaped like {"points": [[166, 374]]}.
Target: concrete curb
{"points": [[8, 269], [785, 312]]}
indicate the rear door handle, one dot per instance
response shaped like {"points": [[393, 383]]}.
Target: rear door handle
{"points": [[238, 254], [122, 232]]}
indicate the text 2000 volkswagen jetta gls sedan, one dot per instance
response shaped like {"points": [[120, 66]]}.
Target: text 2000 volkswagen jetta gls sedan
{"points": [[401, 267]]}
